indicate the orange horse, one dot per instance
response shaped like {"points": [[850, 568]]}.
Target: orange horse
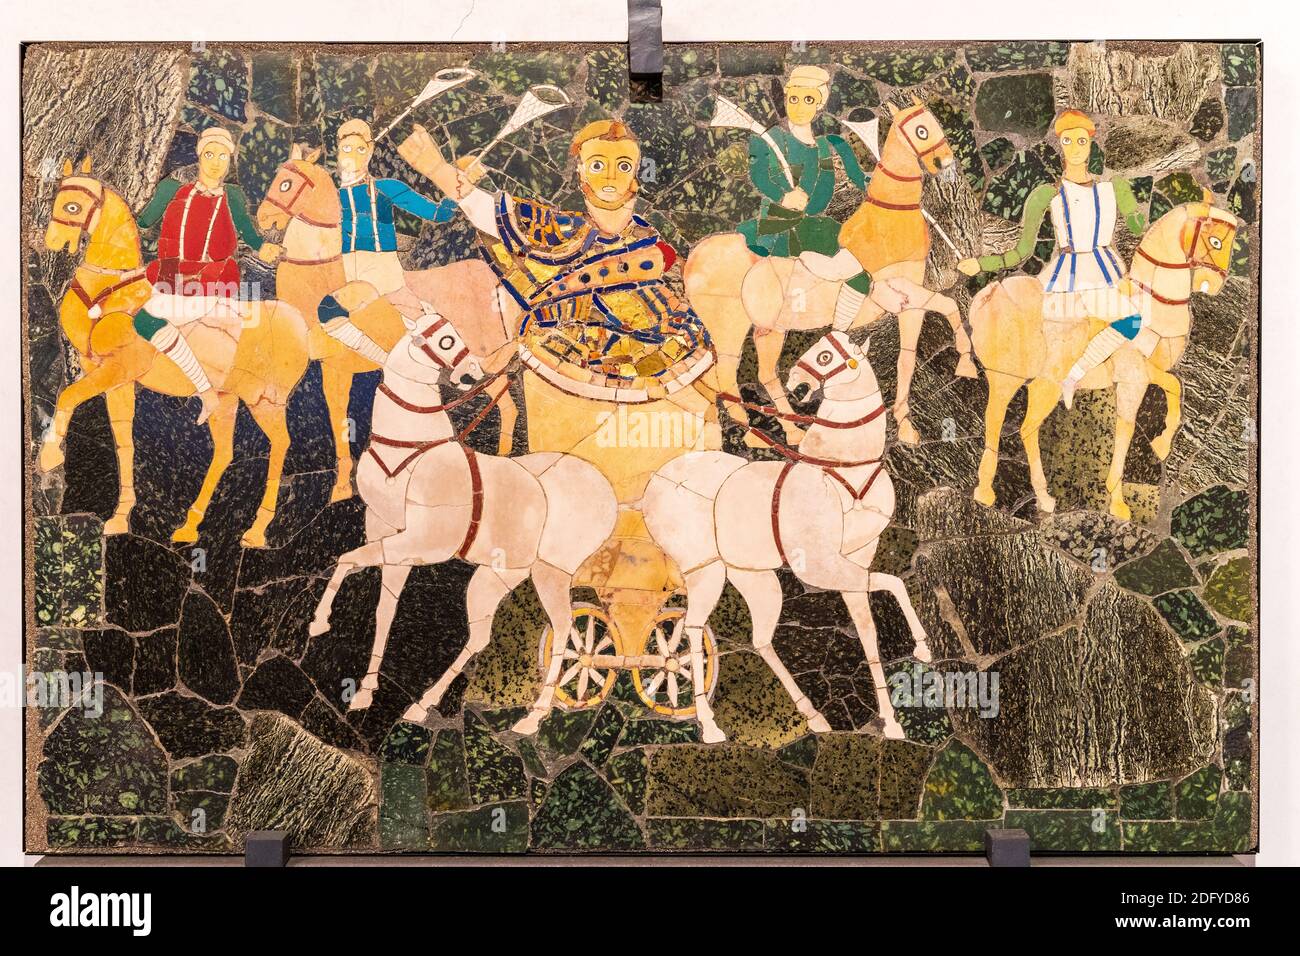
{"points": [[734, 290], [303, 201], [258, 362]]}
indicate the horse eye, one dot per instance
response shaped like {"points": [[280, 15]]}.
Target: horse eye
{"points": [[824, 358], [446, 342], [922, 133], [284, 186], [1216, 242], [72, 207]]}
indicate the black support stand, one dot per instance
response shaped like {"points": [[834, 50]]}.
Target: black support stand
{"points": [[1006, 847], [645, 50], [266, 848]]}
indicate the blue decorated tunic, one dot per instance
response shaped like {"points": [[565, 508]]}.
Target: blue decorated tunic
{"points": [[368, 213]]}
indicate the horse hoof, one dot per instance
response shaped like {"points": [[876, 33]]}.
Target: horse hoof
{"points": [[341, 492], [1046, 504], [893, 730], [711, 733], [362, 699], [985, 496], [1161, 445], [186, 534], [907, 433], [254, 538], [818, 724], [118, 524], [51, 457], [966, 367], [922, 652], [416, 714], [528, 725], [317, 628], [1121, 510]]}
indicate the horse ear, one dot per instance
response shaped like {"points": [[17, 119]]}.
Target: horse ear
{"points": [[67, 168], [1207, 197], [85, 166], [313, 155], [408, 322], [893, 110], [295, 151]]}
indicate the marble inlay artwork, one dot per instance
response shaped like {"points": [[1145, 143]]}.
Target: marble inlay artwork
{"points": [[847, 448]]}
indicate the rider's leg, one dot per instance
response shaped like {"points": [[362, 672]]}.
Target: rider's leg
{"points": [[1103, 345], [165, 337], [337, 323]]}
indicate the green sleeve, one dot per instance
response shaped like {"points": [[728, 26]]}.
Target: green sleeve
{"points": [[1127, 206], [1035, 209], [761, 161], [852, 168], [152, 213], [239, 214]]}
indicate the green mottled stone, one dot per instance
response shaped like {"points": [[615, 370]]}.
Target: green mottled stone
{"points": [[562, 731], [688, 834], [1214, 520], [582, 812], [603, 736], [1009, 189], [82, 561], [1240, 254], [997, 153], [1242, 200], [1186, 614], [201, 812], [849, 92], [166, 832], [1208, 120], [723, 781], [1232, 822], [263, 146], [90, 831], [1022, 104], [275, 84], [1197, 796], [500, 828], [495, 773], [933, 836], [1206, 662], [1230, 591], [403, 820], [1240, 64], [897, 67], [219, 82], [505, 672], [1159, 206], [960, 787], [406, 743], [103, 765], [1024, 55], [1147, 801], [1162, 570], [216, 773], [1180, 188], [654, 731], [532, 758], [1069, 798], [1142, 187], [752, 707], [1171, 837], [846, 778], [47, 570], [536, 793], [1237, 732], [499, 721], [684, 63], [448, 787], [627, 773], [1221, 163], [607, 78], [821, 836], [960, 133], [801, 753], [903, 765], [1067, 830], [1242, 105]]}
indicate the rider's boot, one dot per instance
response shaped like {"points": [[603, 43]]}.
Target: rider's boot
{"points": [[168, 341], [1103, 346]]}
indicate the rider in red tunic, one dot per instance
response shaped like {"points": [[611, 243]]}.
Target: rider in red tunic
{"points": [[196, 272]]}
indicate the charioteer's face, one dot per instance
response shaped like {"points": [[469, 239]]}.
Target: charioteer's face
{"points": [[354, 155], [1076, 146], [607, 171], [214, 162], [802, 104]]}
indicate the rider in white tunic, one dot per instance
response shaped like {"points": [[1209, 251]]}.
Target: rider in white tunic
{"points": [[1085, 276]]}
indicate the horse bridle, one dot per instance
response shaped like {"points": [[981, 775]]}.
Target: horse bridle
{"points": [[847, 362], [1193, 261], [289, 208], [902, 122], [97, 201], [421, 341]]}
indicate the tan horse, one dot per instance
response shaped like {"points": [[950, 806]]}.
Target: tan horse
{"points": [[258, 363], [1188, 249], [734, 290], [303, 201]]}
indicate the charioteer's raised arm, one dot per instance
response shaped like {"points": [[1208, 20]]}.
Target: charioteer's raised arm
{"points": [[423, 155]]}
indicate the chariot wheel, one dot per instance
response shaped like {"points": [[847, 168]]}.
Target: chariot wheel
{"points": [[581, 685], [670, 689]]}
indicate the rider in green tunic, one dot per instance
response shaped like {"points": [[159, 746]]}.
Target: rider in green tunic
{"points": [[790, 220]]}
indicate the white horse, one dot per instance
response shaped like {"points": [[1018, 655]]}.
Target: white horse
{"points": [[821, 513], [430, 498]]}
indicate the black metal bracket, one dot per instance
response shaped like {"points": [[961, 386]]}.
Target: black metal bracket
{"points": [[266, 848], [645, 50], [1006, 847]]}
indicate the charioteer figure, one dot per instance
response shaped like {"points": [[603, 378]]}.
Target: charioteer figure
{"points": [[197, 273], [1085, 276]]}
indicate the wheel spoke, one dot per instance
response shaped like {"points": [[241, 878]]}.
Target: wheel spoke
{"points": [[678, 627], [591, 633], [661, 642], [598, 677], [672, 688], [653, 686], [583, 679], [570, 674]]}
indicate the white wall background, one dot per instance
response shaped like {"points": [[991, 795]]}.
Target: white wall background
{"points": [[606, 20]]}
